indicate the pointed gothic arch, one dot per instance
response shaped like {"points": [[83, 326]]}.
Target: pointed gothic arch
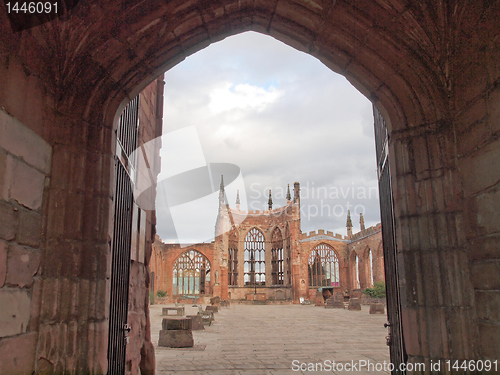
{"points": [[191, 274], [232, 266], [277, 257], [323, 266], [255, 258]]}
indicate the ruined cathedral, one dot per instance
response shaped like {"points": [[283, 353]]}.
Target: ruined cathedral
{"points": [[264, 256]]}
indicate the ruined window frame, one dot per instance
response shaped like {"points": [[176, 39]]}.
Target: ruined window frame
{"points": [[323, 260], [254, 271]]}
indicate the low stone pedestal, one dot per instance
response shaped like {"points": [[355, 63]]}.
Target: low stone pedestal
{"points": [[212, 308], [215, 301], [176, 339], [207, 317], [176, 323], [179, 311], [176, 333], [196, 322], [354, 304], [332, 303], [377, 308]]}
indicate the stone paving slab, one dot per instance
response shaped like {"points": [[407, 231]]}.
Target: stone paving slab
{"points": [[275, 340]]}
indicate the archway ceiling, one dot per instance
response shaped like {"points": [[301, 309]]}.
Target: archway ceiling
{"points": [[396, 52]]}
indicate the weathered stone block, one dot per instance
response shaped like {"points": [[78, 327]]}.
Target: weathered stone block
{"points": [[488, 212], [212, 308], [17, 354], [176, 339], [486, 275], [3, 171], [175, 323], [3, 262], [24, 143], [26, 184], [15, 311], [207, 317], [179, 311], [30, 228], [354, 304], [377, 308], [196, 322], [22, 264], [332, 303], [8, 222]]}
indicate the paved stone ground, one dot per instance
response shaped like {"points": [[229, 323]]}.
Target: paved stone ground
{"points": [[266, 339]]}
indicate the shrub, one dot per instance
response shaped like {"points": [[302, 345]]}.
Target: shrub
{"points": [[378, 290], [161, 293]]}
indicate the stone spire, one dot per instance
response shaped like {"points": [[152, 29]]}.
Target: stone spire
{"points": [[270, 201], [361, 221], [222, 194], [349, 224], [288, 195], [237, 199]]}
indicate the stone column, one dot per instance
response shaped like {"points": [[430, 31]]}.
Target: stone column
{"points": [[438, 313]]}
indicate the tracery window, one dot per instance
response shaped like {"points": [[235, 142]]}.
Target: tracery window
{"points": [[277, 257], [191, 274], [233, 259], [323, 266], [255, 258]]}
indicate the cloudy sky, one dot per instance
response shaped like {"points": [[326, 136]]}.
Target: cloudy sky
{"points": [[274, 116]]}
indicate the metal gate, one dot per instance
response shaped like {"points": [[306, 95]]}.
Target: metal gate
{"points": [[122, 239], [395, 338]]}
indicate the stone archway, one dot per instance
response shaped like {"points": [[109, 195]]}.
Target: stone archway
{"points": [[430, 68]]}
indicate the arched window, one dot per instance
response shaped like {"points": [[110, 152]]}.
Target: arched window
{"points": [[191, 274], [323, 266], [233, 259], [277, 257], [288, 252], [356, 272], [255, 258]]}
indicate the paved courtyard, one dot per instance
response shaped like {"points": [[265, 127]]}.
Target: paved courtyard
{"points": [[278, 339]]}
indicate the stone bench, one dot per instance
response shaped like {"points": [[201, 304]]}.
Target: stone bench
{"points": [[196, 322], [179, 311], [354, 304], [212, 308], [176, 332], [207, 317], [377, 308]]}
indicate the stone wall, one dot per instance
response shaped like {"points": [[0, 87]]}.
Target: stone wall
{"points": [[25, 165], [477, 129]]}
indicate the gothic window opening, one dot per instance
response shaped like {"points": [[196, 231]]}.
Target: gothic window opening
{"points": [[233, 259], [288, 251], [323, 267], [370, 257], [255, 258], [356, 272], [191, 274], [277, 257]]}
